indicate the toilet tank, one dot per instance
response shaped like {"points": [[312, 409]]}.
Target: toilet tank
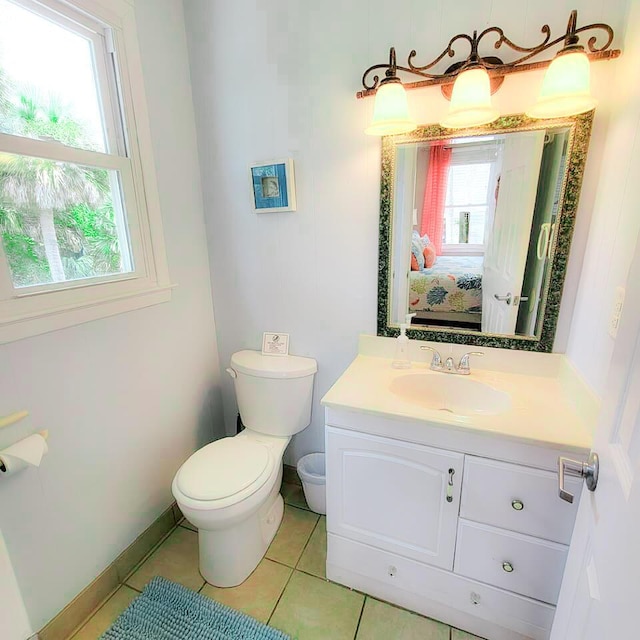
{"points": [[274, 393]]}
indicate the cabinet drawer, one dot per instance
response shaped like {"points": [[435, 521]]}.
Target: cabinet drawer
{"points": [[442, 595], [518, 498], [519, 563]]}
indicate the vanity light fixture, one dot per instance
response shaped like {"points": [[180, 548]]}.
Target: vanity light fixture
{"points": [[471, 99], [391, 109], [470, 83], [566, 88]]}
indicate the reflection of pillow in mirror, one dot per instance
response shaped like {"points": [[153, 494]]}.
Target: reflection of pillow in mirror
{"points": [[414, 263], [429, 253], [417, 253], [426, 240]]}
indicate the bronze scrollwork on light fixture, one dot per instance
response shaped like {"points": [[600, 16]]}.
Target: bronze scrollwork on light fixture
{"points": [[496, 67]]}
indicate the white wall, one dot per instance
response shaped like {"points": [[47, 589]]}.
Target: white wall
{"points": [[616, 219], [14, 623], [277, 78], [128, 398]]}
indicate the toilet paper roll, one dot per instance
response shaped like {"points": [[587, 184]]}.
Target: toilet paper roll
{"points": [[23, 454]]}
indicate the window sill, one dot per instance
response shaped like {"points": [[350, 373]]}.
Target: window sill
{"points": [[462, 250], [62, 318]]}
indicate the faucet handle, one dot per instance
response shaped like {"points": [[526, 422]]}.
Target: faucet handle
{"points": [[436, 361], [463, 365]]}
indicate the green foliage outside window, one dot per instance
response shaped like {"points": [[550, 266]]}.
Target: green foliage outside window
{"points": [[56, 219]]}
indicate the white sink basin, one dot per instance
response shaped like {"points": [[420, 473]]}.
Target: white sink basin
{"points": [[455, 394]]}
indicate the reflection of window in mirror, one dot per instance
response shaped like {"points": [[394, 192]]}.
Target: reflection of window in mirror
{"points": [[470, 196], [456, 193]]}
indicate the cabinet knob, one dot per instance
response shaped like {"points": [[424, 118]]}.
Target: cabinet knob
{"points": [[507, 566], [518, 505]]}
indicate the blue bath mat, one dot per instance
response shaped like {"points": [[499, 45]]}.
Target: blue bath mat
{"points": [[169, 611]]}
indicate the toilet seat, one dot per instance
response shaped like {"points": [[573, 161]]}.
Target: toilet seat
{"points": [[225, 468]]}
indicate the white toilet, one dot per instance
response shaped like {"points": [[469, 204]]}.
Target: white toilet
{"points": [[230, 489]]}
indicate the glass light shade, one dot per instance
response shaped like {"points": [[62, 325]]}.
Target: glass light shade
{"points": [[390, 111], [470, 100], [566, 88]]}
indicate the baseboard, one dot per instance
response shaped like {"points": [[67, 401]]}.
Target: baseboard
{"points": [[290, 475], [80, 609]]}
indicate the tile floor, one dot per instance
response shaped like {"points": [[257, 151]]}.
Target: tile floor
{"points": [[288, 590]]}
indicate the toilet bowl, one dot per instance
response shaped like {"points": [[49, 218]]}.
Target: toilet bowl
{"points": [[230, 489]]}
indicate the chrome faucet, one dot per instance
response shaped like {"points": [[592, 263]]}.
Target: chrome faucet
{"points": [[449, 365]]}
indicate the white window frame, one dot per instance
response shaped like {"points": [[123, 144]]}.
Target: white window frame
{"points": [[35, 310]]}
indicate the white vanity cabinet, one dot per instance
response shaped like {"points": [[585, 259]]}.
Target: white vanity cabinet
{"points": [[474, 541]]}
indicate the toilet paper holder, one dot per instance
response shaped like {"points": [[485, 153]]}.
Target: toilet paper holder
{"points": [[44, 433]]}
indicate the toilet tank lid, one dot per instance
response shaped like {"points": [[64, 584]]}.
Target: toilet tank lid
{"points": [[253, 363]]}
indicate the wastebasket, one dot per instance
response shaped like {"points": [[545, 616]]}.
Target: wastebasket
{"points": [[311, 470]]}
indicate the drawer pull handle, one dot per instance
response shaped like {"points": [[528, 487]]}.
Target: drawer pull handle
{"points": [[450, 485], [518, 505], [507, 566]]}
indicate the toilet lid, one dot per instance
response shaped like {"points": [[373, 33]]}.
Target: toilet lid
{"points": [[222, 469]]}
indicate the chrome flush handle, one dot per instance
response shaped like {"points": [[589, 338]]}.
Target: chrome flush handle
{"points": [[587, 470]]}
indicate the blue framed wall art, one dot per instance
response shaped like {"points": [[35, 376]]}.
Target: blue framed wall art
{"points": [[273, 187]]}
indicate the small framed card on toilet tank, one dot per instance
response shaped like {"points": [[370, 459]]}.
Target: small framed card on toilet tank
{"points": [[275, 344]]}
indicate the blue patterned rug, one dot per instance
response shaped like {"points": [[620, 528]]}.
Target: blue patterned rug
{"points": [[169, 611]]}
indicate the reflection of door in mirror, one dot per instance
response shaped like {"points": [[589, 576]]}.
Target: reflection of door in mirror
{"points": [[508, 241], [541, 243]]}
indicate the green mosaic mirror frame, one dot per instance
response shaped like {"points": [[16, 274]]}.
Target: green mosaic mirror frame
{"points": [[579, 135]]}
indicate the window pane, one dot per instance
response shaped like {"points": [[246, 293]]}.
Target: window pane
{"points": [[466, 203], [464, 225], [468, 184], [61, 221], [48, 86]]}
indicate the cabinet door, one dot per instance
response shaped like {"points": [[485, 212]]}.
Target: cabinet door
{"points": [[393, 495]]}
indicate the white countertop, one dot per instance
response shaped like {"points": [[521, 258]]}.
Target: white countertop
{"points": [[550, 405]]}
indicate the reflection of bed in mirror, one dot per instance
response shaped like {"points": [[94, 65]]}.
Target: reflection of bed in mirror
{"points": [[449, 293]]}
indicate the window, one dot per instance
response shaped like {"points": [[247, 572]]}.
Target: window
{"points": [[76, 231], [470, 195]]}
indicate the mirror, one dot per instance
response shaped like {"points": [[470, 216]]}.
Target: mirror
{"points": [[475, 230]]}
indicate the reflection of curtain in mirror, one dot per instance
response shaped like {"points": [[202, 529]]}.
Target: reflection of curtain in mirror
{"points": [[435, 194]]}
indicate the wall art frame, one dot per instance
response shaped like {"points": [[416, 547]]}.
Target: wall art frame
{"points": [[273, 188]]}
